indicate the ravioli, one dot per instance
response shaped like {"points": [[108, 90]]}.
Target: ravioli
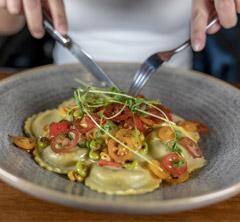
{"points": [[158, 150], [121, 181], [37, 125], [59, 163]]}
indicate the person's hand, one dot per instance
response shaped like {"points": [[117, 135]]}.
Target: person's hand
{"points": [[32, 9], [204, 10]]}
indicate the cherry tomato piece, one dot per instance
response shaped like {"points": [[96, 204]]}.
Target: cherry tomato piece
{"points": [[55, 129], [118, 153], [155, 168], [191, 147], [170, 163]]}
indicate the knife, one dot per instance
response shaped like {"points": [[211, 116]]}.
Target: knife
{"points": [[83, 57]]}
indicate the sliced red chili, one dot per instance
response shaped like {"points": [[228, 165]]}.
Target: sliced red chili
{"points": [[174, 164], [104, 163], [62, 144], [55, 129]]}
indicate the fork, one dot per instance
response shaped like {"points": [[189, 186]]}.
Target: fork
{"points": [[152, 63]]}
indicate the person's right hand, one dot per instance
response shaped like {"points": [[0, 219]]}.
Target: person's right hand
{"points": [[32, 9]]}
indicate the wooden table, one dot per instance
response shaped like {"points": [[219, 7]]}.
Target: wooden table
{"points": [[18, 206]]}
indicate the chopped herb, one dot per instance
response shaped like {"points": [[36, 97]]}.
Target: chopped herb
{"points": [[139, 101], [175, 148], [114, 89]]}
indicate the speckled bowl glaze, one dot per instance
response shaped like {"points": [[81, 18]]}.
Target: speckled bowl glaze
{"points": [[190, 94]]}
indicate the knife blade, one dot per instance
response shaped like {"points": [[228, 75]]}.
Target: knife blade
{"points": [[83, 57]]}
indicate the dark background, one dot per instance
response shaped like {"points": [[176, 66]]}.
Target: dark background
{"points": [[220, 58]]}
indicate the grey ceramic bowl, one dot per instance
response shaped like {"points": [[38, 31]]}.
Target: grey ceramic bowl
{"points": [[190, 94]]}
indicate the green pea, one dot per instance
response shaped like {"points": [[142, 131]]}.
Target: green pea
{"points": [[94, 155], [144, 149], [43, 142], [77, 114], [131, 165], [88, 144], [95, 144], [81, 169]]}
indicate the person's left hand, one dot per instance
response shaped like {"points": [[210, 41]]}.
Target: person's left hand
{"points": [[203, 11]]}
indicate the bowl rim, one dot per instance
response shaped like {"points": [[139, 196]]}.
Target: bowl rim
{"points": [[153, 206]]}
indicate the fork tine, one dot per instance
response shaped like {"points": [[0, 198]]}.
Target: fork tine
{"points": [[144, 79], [137, 77], [143, 76], [140, 74]]}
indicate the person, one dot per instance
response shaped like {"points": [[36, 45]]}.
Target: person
{"points": [[122, 30]]}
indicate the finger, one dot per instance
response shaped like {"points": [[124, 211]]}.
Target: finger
{"points": [[3, 4], [237, 3], [200, 16], [214, 29], [14, 6], [33, 13], [58, 14], [226, 12]]}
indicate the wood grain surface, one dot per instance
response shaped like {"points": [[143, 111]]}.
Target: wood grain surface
{"points": [[20, 207]]}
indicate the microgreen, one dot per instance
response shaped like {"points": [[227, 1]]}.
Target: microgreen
{"points": [[179, 163], [178, 134], [88, 97]]}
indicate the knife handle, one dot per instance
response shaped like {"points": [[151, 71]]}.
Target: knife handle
{"points": [[64, 40]]}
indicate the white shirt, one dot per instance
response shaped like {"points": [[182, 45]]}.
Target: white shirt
{"points": [[127, 30]]}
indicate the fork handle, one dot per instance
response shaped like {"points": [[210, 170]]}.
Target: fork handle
{"points": [[188, 42]]}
